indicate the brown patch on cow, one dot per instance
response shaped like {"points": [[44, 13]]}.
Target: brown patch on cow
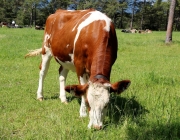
{"points": [[78, 90], [40, 66], [43, 51], [120, 86]]}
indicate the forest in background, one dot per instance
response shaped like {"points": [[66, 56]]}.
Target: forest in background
{"points": [[139, 14]]}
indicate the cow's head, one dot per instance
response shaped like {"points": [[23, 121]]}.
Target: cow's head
{"points": [[97, 98]]}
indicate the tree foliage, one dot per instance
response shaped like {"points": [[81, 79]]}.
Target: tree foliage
{"points": [[139, 14]]}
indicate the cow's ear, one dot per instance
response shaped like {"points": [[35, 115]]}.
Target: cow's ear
{"points": [[120, 86], [77, 90]]}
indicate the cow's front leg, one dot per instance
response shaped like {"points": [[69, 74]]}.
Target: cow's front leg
{"points": [[62, 79], [83, 107], [43, 71], [83, 80]]}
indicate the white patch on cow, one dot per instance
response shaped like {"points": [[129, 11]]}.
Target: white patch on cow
{"points": [[83, 10], [98, 98], [46, 37], [54, 21], [94, 16], [67, 65], [47, 48], [108, 85], [84, 79], [67, 46], [72, 58]]}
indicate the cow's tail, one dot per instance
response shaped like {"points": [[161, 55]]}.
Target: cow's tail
{"points": [[34, 52]]}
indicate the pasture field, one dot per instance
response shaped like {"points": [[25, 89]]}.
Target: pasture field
{"points": [[148, 110]]}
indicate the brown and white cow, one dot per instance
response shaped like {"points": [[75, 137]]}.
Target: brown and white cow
{"points": [[148, 31], [85, 42]]}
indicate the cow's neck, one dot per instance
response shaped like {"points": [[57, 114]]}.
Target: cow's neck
{"points": [[101, 65]]}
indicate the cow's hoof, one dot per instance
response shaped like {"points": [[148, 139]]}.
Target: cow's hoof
{"points": [[65, 102], [97, 127], [40, 99]]}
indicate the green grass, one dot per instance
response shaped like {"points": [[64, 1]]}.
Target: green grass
{"points": [[148, 110]]}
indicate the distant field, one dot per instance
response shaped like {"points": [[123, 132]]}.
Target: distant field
{"points": [[148, 110]]}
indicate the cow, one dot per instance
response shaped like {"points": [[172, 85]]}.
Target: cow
{"points": [[39, 27], [126, 30], [148, 31], [133, 31], [141, 31], [129, 30], [3, 24], [83, 41]]}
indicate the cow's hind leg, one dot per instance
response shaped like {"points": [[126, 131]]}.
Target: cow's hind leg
{"points": [[62, 80], [43, 71]]}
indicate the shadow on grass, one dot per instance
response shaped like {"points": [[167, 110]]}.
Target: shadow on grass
{"points": [[51, 98], [170, 131], [69, 98], [120, 107]]}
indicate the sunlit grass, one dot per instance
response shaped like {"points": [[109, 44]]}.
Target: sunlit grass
{"points": [[149, 109]]}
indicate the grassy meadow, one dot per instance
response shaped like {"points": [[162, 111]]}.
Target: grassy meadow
{"points": [[148, 110]]}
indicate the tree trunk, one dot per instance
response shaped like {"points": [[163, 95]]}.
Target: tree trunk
{"points": [[132, 17], [121, 26], [142, 22], [142, 16], [170, 22], [165, 28], [34, 15]]}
